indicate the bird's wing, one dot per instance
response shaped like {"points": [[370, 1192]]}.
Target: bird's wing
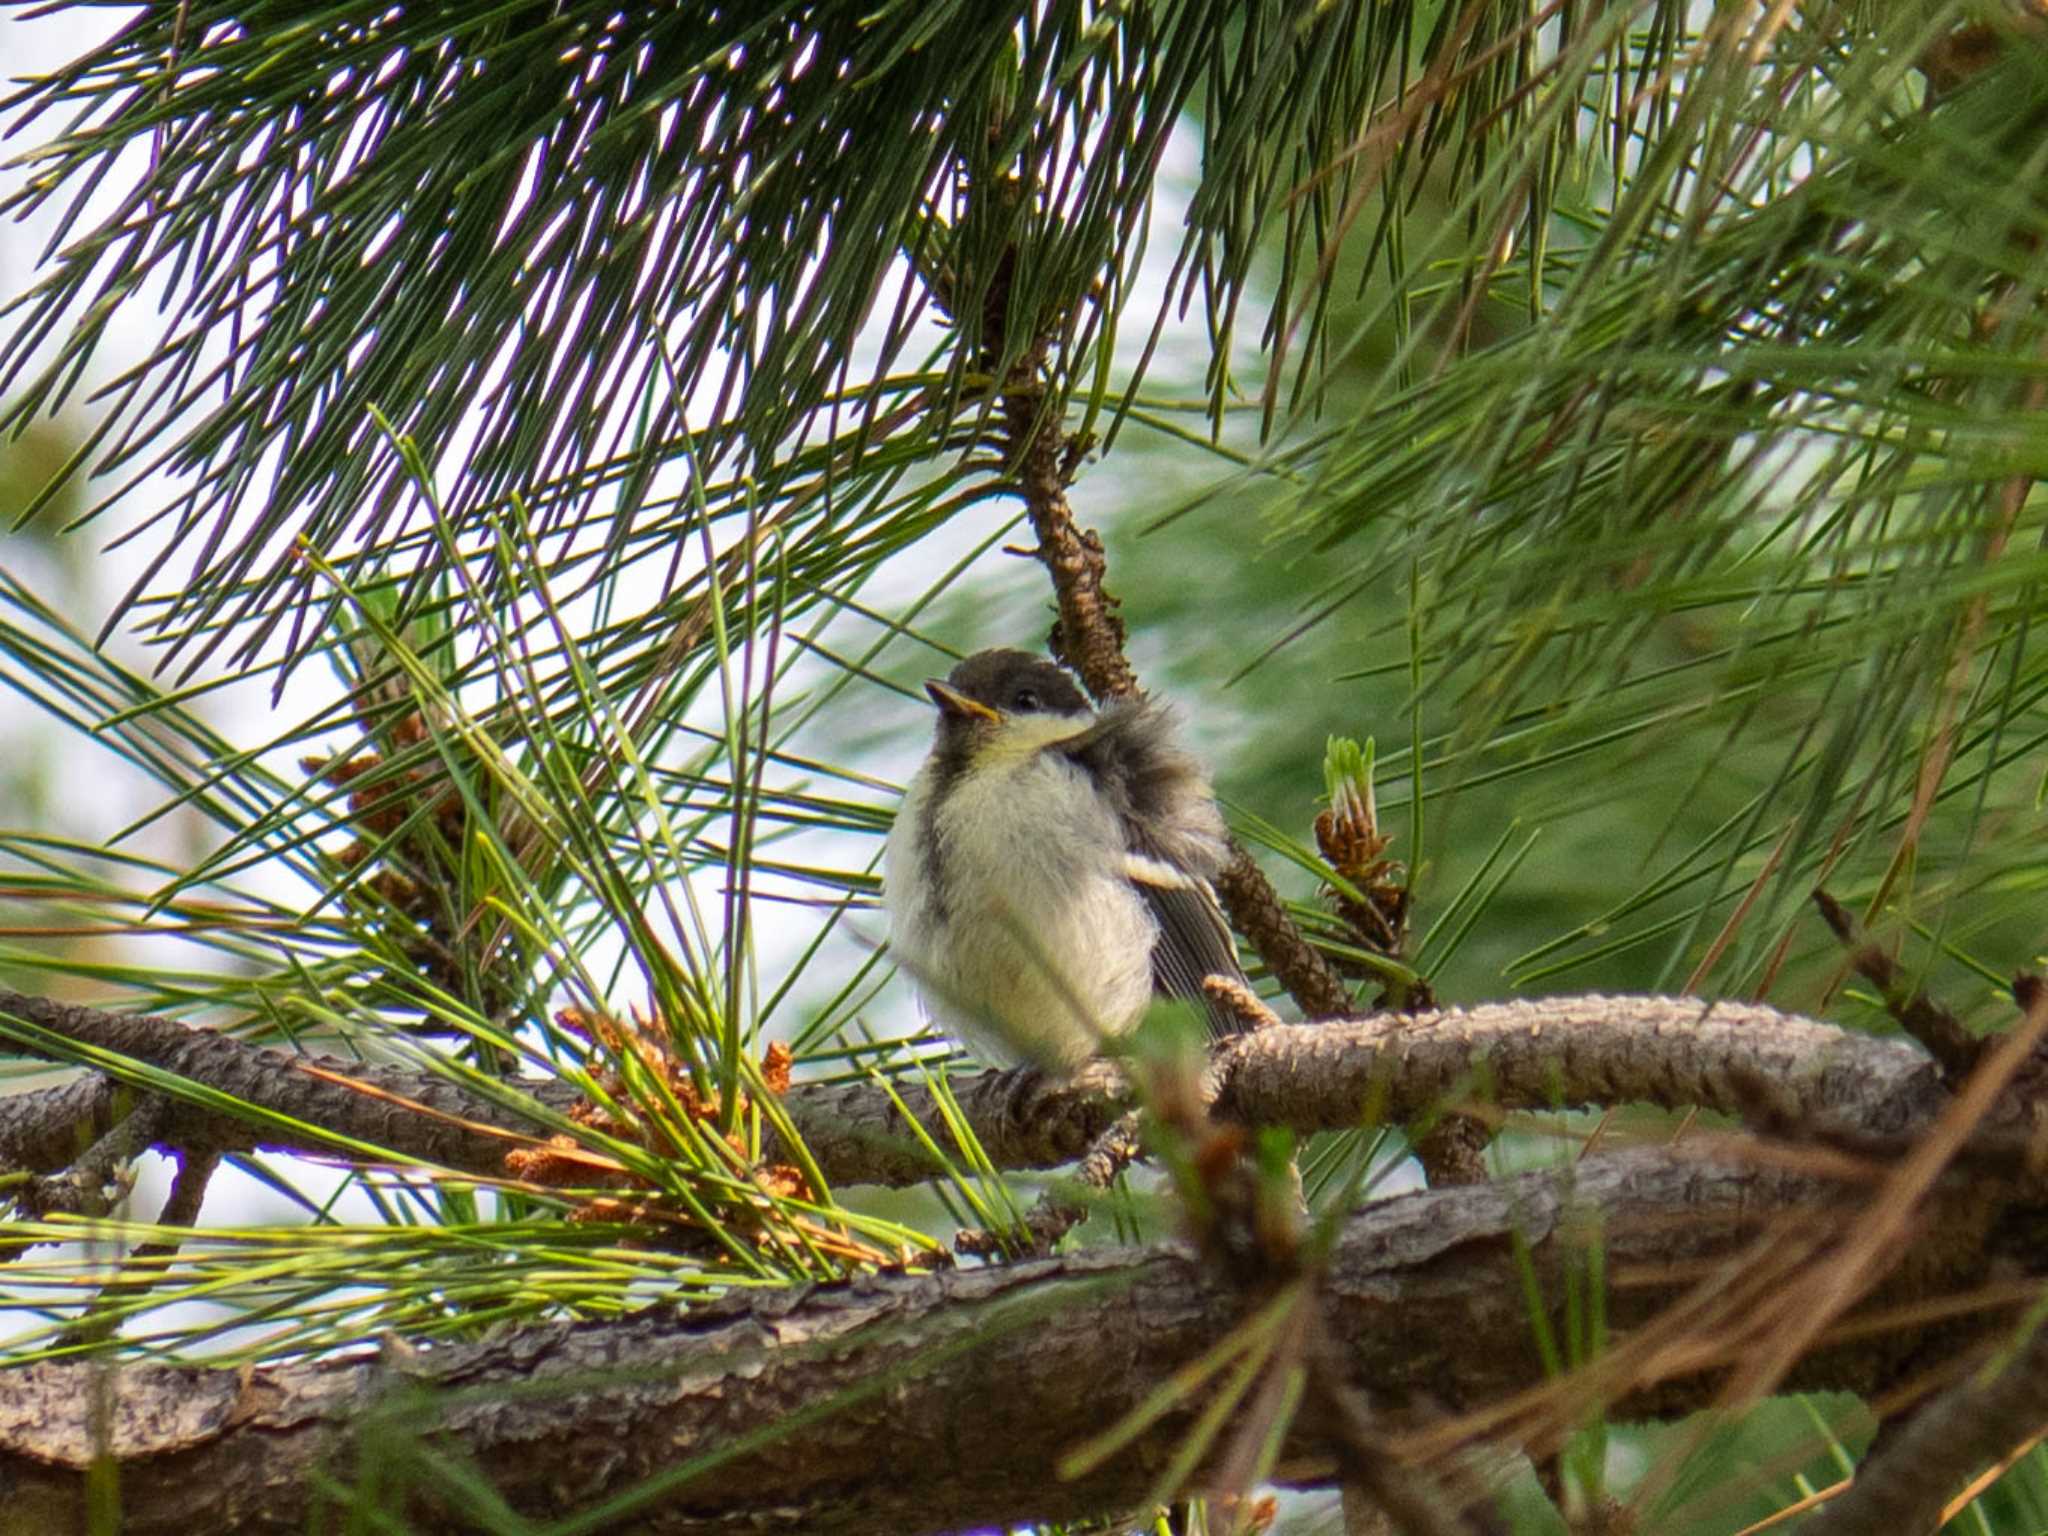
{"points": [[1194, 941], [1155, 789]]}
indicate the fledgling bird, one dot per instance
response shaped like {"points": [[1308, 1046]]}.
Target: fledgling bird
{"points": [[1048, 873]]}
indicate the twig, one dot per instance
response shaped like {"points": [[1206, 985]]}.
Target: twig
{"points": [[1089, 636], [1940, 1031], [1057, 1212], [83, 1188], [1256, 911], [1453, 1151], [2009, 1157], [41, 1129], [141, 1272], [417, 1114], [1906, 1488], [1245, 1005]]}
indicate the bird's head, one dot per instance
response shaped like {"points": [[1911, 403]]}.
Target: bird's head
{"points": [[1000, 701]]}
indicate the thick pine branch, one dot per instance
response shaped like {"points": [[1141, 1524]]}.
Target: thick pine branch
{"points": [[930, 1402]]}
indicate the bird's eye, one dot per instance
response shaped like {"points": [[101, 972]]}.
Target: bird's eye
{"points": [[1026, 700]]}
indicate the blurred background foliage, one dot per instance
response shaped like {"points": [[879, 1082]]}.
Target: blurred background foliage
{"points": [[571, 435]]}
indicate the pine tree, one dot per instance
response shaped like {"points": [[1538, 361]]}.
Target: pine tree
{"points": [[590, 425]]}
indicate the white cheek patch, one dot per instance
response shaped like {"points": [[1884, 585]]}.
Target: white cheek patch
{"points": [[1142, 869], [1024, 737]]}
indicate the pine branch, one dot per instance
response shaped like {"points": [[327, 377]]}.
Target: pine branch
{"points": [[688, 1416], [1678, 1053]]}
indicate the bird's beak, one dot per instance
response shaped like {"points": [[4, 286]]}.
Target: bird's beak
{"points": [[957, 706]]}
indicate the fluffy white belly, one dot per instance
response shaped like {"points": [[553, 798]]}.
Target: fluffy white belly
{"points": [[1031, 944]]}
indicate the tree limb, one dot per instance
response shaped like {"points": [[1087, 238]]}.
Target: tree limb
{"points": [[1678, 1053], [941, 1400]]}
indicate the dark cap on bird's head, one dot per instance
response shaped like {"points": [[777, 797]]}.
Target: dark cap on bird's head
{"points": [[990, 686]]}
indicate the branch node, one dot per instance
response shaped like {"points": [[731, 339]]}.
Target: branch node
{"points": [[1058, 1210], [1242, 1003], [1939, 1032], [102, 1176]]}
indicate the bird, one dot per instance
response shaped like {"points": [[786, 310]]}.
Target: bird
{"points": [[1048, 874]]}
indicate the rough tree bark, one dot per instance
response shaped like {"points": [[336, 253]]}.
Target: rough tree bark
{"points": [[902, 1403], [1566, 1052], [929, 1402]]}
